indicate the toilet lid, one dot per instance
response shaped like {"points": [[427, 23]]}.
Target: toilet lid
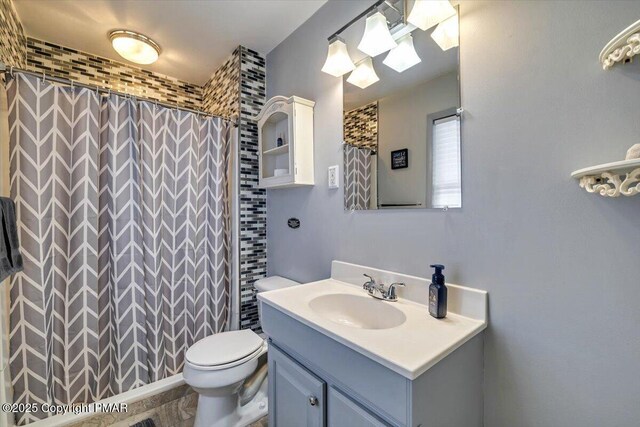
{"points": [[224, 348]]}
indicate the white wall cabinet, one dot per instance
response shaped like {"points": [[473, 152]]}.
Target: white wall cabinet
{"points": [[285, 142]]}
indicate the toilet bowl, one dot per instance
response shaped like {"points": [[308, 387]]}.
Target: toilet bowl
{"points": [[216, 367]]}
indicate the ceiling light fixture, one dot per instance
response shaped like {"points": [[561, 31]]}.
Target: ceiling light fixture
{"points": [[446, 33], [364, 75], [135, 47], [377, 38], [427, 13], [338, 60], [403, 56]]}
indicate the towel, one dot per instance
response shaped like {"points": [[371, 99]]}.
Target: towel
{"points": [[10, 258]]}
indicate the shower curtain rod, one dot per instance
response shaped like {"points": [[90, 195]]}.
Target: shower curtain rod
{"points": [[10, 70]]}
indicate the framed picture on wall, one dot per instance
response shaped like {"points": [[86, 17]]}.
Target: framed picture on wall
{"points": [[400, 159]]}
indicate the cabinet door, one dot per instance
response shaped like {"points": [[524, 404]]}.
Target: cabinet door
{"points": [[344, 412], [296, 396]]}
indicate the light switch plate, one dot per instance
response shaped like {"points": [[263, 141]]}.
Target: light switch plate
{"points": [[334, 181]]}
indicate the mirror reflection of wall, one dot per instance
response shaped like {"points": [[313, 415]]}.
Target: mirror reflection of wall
{"points": [[415, 110]]}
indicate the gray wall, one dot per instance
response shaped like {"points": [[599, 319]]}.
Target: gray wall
{"points": [[562, 266]]}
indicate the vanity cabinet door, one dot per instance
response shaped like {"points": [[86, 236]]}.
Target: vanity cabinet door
{"points": [[296, 396], [344, 412]]}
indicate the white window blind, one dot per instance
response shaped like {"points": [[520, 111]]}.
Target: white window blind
{"points": [[446, 180]]}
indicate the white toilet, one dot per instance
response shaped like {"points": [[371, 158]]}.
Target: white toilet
{"points": [[217, 366]]}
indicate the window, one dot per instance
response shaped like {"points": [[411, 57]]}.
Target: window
{"points": [[446, 178]]}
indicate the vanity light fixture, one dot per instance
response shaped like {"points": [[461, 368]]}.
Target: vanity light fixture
{"points": [[427, 13], [338, 60], [446, 33], [135, 47], [403, 56], [364, 75], [377, 38]]}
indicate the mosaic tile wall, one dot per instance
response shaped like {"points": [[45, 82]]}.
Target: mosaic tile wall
{"points": [[238, 87], [253, 201], [361, 126], [220, 95], [106, 73], [13, 49]]}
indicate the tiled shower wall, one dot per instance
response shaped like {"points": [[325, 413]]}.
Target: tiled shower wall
{"points": [[220, 95], [12, 40], [64, 62], [253, 200], [361, 126], [237, 87]]}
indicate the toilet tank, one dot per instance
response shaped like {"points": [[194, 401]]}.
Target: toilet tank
{"points": [[272, 283]]}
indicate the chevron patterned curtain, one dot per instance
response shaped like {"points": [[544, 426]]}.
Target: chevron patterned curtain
{"points": [[124, 224], [357, 177]]}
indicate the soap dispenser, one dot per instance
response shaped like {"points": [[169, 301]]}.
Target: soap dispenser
{"points": [[438, 293]]}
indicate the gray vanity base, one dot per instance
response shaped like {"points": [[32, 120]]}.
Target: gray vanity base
{"points": [[316, 381]]}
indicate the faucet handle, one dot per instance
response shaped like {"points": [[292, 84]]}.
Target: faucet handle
{"points": [[370, 284], [391, 292]]}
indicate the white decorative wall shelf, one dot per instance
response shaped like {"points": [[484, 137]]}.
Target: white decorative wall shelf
{"points": [[622, 47], [611, 179], [285, 142]]}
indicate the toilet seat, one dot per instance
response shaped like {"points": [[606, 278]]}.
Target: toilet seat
{"points": [[225, 350]]}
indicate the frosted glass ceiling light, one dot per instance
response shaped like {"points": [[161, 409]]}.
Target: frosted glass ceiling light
{"points": [[427, 13], [403, 56], [376, 38], [364, 75], [446, 33], [338, 60], [134, 47]]}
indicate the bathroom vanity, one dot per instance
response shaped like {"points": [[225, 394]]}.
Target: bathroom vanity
{"points": [[338, 357]]}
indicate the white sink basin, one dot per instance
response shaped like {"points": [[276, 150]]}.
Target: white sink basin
{"points": [[356, 311]]}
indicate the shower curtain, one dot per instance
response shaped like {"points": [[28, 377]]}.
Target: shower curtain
{"points": [[358, 177], [124, 225]]}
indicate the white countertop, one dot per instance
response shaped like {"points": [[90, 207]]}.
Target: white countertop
{"points": [[409, 349]]}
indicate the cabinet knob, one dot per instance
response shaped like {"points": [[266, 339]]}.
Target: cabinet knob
{"points": [[313, 401]]}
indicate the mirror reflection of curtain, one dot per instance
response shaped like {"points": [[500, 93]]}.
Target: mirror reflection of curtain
{"points": [[358, 177], [361, 142], [123, 218]]}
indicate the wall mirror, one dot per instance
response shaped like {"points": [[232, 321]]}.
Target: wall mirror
{"points": [[402, 145]]}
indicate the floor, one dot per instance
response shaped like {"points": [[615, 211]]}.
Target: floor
{"points": [[262, 422], [173, 408]]}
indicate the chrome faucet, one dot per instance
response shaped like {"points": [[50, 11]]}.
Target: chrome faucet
{"points": [[378, 291]]}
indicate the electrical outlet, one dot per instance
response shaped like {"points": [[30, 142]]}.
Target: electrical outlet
{"points": [[333, 177]]}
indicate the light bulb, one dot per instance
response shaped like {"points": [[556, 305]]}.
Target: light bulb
{"points": [[427, 13], [364, 75], [376, 38], [403, 56], [338, 60], [446, 33]]}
